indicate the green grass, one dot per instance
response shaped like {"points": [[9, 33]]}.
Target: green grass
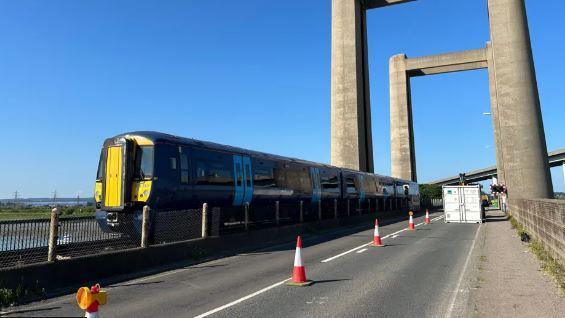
{"points": [[25, 213], [10, 297], [548, 264]]}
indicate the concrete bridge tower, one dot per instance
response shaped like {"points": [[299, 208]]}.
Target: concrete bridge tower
{"points": [[519, 134], [351, 140], [522, 136]]}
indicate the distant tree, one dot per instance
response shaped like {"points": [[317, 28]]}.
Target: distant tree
{"points": [[430, 191]]}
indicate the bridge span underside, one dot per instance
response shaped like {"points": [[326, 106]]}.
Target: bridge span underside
{"points": [[555, 159]]}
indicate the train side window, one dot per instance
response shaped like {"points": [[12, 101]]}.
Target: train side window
{"points": [[264, 178], [329, 182], [350, 182], [212, 173], [100, 172], [184, 169], [173, 163]]}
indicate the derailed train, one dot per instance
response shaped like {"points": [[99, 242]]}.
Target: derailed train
{"points": [[168, 172]]}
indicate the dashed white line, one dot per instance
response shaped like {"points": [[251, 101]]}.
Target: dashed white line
{"points": [[345, 253], [235, 302], [384, 237], [359, 249], [437, 218]]}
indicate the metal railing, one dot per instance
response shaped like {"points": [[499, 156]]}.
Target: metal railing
{"points": [[38, 240]]}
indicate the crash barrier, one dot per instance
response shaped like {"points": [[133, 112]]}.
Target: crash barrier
{"points": [[544, 219]]}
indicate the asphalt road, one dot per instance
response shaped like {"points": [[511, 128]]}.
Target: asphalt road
{"points": [[416, 275]]}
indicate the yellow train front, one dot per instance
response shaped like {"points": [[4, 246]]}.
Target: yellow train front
{"points": [[123, 181]]}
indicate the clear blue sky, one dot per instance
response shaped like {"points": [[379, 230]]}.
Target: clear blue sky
{"points": [[250, 73]]}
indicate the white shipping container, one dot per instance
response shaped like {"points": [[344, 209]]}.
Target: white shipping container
{"points": [[462, 204]]}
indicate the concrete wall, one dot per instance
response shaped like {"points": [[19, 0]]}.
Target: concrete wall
{"points": [[544, 220]]}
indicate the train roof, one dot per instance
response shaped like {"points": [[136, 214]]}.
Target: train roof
{"points": [[159, 137]]}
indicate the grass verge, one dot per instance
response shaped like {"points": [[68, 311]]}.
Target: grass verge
{"points": [[548, 264], [10, 297]]}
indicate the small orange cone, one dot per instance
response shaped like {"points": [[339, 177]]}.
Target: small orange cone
{"points": [[377, 238], [411, 222], [298, 272], [427, 217]]}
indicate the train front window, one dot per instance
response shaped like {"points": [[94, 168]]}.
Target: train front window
{"points": [[100, 172], [144, 163]]}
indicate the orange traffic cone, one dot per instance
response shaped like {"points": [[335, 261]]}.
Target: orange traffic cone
{"points": [[427, 217], [377, 238], [411, 222], [298, 272]]}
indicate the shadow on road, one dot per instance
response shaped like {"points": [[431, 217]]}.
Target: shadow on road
{"points": [[137, 284], [330, 280], [30, 310], [496, 217]]}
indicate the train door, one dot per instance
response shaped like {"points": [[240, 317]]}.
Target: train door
{"points": [[113, 189], [361, 181], [248, 177], [316, 190], [243, 185], [117, 175]]}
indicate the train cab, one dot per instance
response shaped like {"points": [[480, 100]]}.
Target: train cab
{"points": [[125, 177]]}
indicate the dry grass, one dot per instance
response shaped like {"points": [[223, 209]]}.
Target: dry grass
{"points": [[548, 264]]}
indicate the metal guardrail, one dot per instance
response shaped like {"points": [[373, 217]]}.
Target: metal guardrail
{"points": [[39, 240]]}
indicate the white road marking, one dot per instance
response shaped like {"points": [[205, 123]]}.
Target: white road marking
{"points": [[456, 292], [361, 246], [344, 253], [359, 249], [235, 302]]}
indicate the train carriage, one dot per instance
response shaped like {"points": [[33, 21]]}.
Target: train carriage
{"points": [[168, 172]]}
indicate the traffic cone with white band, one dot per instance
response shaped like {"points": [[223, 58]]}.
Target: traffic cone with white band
{"points": [[427, 216], [377, 238], [411, 222], [298, 272]]}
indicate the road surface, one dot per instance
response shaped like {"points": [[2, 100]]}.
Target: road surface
{"points": [[417, 274]]}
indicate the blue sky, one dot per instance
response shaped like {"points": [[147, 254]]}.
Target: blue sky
{"points": [[251, 73]]}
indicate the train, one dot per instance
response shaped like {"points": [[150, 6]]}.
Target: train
{"points": [[167, 172]]}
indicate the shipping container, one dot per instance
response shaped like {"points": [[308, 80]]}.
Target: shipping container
{"points": [[462, 204]]}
